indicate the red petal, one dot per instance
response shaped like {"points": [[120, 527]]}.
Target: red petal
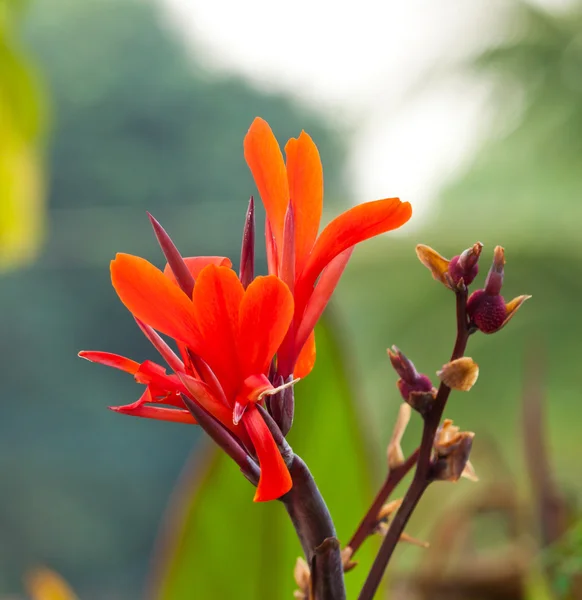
{"points": [[320, 297], [195, 264], [157, 412], [265, 315], [355, 225], [153, 298], [305, 176], [265, 161], [217, 297], [111, 360], [306, 359], [275, 478], [202, 394]]}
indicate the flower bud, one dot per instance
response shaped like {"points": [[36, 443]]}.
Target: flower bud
{"points": [[410, 379], [487, 308], [466, 265], [450, 272]]}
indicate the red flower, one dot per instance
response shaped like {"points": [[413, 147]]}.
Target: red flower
{"points": [[310, 265], [227, 337]]}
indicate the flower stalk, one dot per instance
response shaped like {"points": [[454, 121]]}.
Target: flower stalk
{"points": [[423, 475], [316, 532]]}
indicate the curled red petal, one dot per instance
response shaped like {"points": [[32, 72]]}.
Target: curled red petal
{"points": [[353, 226], [160, 413], [111, 360], [275, 479]]}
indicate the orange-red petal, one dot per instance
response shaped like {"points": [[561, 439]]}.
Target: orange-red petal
{"points": [[320, 297], [305, 177], [175, 415], [153, 298], [353, 226], [306, 359], [217, 297], [111, 360], [275, 479], [265, 161], [195, 264], [266, 311]]}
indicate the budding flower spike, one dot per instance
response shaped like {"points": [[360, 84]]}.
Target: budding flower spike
{"points": [[486, 308]]}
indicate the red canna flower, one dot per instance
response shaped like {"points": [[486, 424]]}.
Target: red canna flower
{"points": [[227, 337], [311, 266]]}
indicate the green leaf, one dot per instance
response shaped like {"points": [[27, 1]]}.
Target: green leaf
{"points": [[218, 544]]}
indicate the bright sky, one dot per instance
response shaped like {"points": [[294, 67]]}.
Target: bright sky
{"points": [[371, 64]]}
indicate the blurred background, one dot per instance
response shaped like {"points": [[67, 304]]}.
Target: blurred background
{"points": [[108, 108]]}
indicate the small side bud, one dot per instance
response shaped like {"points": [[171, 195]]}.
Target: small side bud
{"points": [[466, 265], [487, 308], [410, 379], [450, 272], [460, 374]]}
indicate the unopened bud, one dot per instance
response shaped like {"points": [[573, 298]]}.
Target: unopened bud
{"points": [[410, 379], [450, 272], [460, 374], [466, 265], [487, 308]]}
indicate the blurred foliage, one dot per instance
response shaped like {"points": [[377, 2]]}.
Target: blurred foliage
{"points": [[138, 125], [22, 114], [525, 182], [214, 522]]}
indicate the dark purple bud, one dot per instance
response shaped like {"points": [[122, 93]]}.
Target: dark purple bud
{"points": [[465, 266], [247, 251], [179, 269], [494, 279], [281, 406], [488, 313], [410, 379]]}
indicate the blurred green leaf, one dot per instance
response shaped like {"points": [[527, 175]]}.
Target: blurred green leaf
{"points": [[21, 120], [218, 544]]}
